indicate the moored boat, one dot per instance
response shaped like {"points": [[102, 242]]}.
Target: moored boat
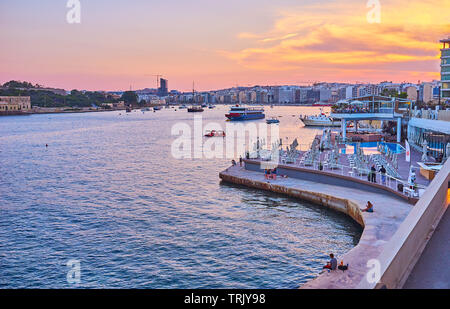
{"points": [[320, 120], [272, 120], [195, 109], [215, 133]]}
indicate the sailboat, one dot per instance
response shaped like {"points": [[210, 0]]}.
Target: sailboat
{"points": [[194, 108]]}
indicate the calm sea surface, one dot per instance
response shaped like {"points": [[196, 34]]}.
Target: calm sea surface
{"points": [[107, 192]]}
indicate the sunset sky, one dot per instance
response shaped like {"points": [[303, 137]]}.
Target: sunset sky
{"points": [[219, 44]]}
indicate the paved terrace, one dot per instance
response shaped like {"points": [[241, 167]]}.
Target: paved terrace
{"points": [[390, 211]]}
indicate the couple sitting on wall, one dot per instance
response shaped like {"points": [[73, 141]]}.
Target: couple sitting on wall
{"points": [[270, 174]]}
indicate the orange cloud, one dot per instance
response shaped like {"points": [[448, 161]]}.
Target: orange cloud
{"points": [[337, 36]]}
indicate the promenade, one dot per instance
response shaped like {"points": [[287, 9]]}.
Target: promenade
{"points": [[431, 270], [379, 226]]}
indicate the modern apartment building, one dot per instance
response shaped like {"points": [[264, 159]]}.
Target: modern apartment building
{"points": [[445, 69]]}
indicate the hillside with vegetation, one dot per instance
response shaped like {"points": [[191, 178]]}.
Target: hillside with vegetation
{"points": [[46, 98]]}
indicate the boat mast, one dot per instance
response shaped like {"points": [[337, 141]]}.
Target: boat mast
{"points": [[193, 93]]}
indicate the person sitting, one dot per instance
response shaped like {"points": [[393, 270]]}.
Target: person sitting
{"points": [[369, 207], [274, 174], [233, 162], [267, 173], [332, 264]]}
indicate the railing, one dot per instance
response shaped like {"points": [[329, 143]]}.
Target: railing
{"points": [[443, 115], [363, 174]]}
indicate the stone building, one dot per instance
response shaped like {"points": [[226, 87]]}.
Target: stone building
{"points": [[14, 105]]}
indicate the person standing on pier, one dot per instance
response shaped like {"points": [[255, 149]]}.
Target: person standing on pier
{"points": [[240, 161], [383, 175], [373, 174]]}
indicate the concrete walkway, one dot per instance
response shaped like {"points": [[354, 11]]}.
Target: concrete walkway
{"points": [[432, 270], [378, 226]]}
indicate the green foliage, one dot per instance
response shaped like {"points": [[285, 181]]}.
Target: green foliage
{"points": [[130, 97], [18, 84], [45, 98], [394, 94]]}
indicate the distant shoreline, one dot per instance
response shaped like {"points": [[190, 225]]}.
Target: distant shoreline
{"points": [[28, 113]]}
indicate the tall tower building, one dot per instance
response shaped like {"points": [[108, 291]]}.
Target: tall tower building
{"points": [[163, 88], [445, 69]]}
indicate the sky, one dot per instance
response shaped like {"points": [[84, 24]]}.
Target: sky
{"points": [[122, 44]]}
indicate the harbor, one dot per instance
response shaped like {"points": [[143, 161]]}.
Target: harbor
{"points": [[347, 176]]}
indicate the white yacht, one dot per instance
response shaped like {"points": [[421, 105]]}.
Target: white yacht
{"points": [[320, 120]]}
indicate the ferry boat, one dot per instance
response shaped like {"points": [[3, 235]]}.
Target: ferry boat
{"points": [[239, 113], [272, 120]]}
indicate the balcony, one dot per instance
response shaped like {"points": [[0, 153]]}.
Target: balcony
{"points": [[373, 107]]}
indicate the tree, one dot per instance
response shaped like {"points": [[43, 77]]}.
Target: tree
{"points": [[129, 97]]}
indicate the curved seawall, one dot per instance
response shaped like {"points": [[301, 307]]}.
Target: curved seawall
{"points": [[390, 211]]}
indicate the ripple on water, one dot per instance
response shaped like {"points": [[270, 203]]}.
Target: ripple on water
{"points": [[108, 193]]}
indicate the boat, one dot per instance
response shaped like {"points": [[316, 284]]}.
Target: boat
{"points": [[321, 104], [195, 109], [320, 120], [272, 120], [214, 133], [182, 106], [204, 105], [240, 113], [211, 106], [157, 108]]}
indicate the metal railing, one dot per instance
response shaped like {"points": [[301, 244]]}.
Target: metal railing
{"points": [[363, 174]]}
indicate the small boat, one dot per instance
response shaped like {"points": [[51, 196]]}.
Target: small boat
{"points": [[239, 113], [195, 109], [214, 133], [272, 120], [157, 108], [211, 106], [182, 106], [204, 105]]}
